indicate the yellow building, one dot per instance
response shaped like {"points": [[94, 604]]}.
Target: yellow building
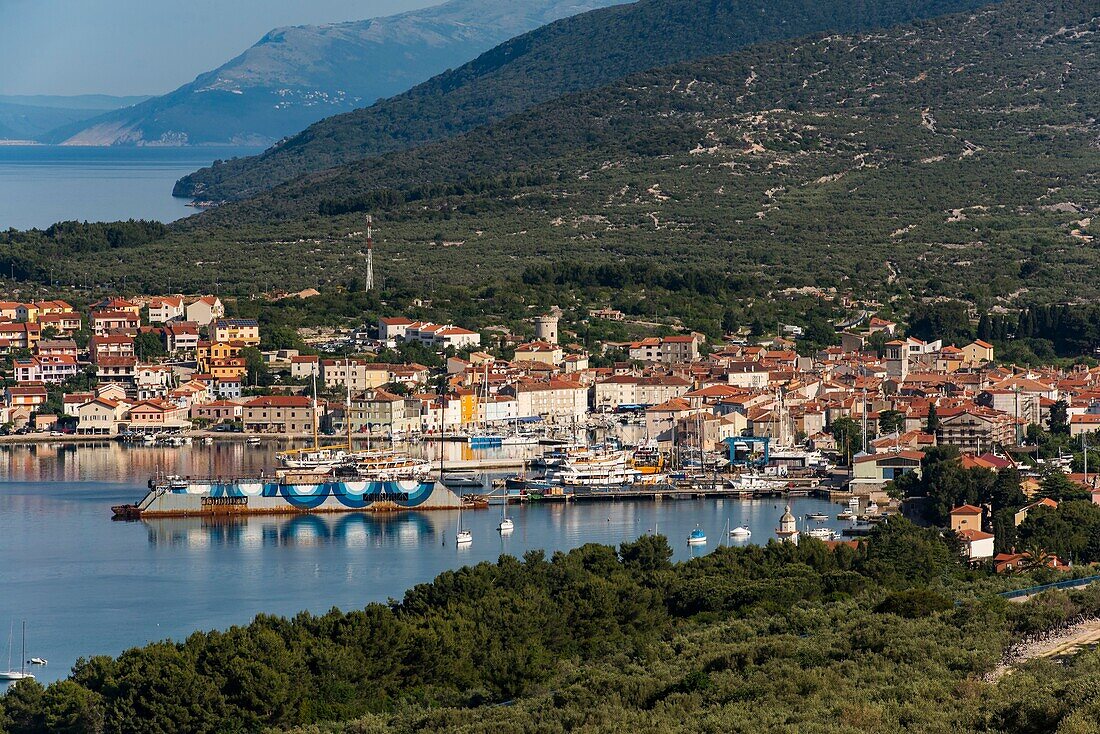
{"points": [[206, 353], [228, 368], [469, 407], [977, 352], [966, 517], [242, 331], [539, 352]]}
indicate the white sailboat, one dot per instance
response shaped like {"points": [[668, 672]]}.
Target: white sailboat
{"points": [[20, 674], [462, 536], [506, 525]]}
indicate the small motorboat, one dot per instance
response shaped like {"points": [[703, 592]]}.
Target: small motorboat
{"points": [[817, 516], [37, 661], [872, 508], [846, 515], [741, 532], [821, 533], [464, 537], [697, 537], [253, 441], [462, 478]]}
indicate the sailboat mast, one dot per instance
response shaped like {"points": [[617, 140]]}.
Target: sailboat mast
{"points": [[23, 655], [316, 441], [347, 413]]}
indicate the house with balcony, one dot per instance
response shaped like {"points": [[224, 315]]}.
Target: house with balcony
{"points": [[114, 322], [45, 368], [245, 332]]}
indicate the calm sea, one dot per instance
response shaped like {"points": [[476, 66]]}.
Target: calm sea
{"points": [[88, 585], [43, 184]]}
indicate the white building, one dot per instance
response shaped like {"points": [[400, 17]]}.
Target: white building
{"points": [[204, 310], [556, 401], [165, 308]]}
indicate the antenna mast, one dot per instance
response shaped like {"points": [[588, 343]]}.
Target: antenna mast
{"points": [[370, 254]]}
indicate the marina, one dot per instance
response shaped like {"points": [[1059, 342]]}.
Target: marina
{"points": [[97, 586]]}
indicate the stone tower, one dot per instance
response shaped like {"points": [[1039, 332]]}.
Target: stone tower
{"points": [[546, 329]]}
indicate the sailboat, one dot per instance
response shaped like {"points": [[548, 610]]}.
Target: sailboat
{"points": [[462, 535], [20, 674], [506, 525]]}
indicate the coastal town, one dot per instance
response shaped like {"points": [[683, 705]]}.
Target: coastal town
{"points": [[853, 420]]}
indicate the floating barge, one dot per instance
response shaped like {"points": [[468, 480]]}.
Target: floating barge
{"points": [[289, 493]]}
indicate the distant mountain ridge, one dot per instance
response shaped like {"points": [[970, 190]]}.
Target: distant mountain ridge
{"points": [[296, 75], [577, 53], [27, 117]]}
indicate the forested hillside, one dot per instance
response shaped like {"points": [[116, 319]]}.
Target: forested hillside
{"points": [[895, 635], [582, 52], [953, 158]]}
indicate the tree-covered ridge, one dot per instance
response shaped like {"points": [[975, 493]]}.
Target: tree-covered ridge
{"points": [[582, 52], [746, 639], [955, 157]]}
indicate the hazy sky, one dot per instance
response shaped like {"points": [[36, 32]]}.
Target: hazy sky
{"points": [[146, 46]]}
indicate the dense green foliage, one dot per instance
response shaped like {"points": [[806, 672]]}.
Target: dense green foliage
{"points": [[1047, 331], [1071, 532], [757, 638], [581, 52], [41, 254]]}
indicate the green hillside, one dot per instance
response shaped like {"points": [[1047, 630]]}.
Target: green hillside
{"points": [[952, 158], [582, 52]]}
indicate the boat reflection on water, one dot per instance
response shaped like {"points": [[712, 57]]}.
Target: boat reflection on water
{"points": [[347, 529]]}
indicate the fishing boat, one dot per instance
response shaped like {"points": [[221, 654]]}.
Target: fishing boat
{"points": [[20, 674], [741, 532], [697, 537], [648, 458]]}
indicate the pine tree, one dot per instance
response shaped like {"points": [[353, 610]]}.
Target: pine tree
{"points": [[932, 424]]}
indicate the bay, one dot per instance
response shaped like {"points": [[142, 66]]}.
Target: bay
{"points": [[88, 585], [44, 184]]}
